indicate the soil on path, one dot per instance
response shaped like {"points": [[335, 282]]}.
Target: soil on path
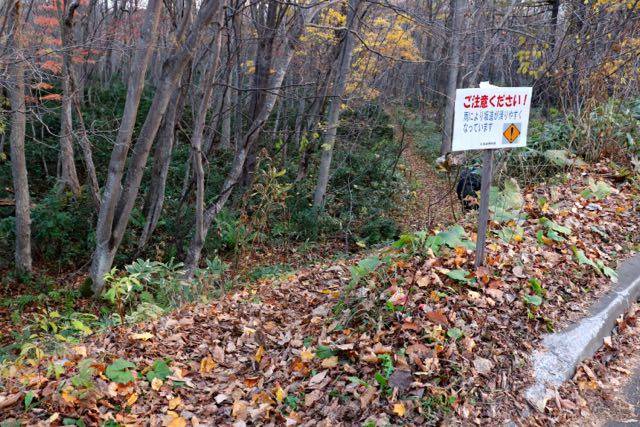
{"points": [[433, 200]]}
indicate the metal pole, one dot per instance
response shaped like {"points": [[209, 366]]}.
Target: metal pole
{"points": [[483, 213]]}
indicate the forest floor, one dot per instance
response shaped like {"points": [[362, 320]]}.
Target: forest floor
{"points": [[412, 334], [434, 200]]}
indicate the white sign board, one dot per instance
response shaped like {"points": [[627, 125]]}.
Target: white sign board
{"points": [[491, 117]]}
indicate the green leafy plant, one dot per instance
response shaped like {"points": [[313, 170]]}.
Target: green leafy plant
{"points": [[160, 369], [28, 399], [460, 275], [455, 333], [534, 300], [324, 352], [553, 231], [120, 371], [421, 242], [599, 190], [597, 265], [536, 286]]}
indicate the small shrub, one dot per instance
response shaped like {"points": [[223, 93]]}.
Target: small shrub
{"points": [[379, 229]]}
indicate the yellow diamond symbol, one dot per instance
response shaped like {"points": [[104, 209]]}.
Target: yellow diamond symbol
{"points": [[511, 133]]}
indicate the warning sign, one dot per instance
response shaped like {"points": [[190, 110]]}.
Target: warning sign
{"points": [[491, 117], [512, 132]]}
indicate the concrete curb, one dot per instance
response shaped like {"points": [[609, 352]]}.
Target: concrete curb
{"points": [[557, 361]]}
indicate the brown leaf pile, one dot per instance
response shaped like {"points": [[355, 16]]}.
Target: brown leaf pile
{"points": [[275, 352]]}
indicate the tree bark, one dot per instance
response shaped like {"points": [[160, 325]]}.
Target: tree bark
{"points": [[196, 139], [285, 54], [16, 139], [120, 208], [160, 170], [103, 255], [344, 66], [68, 174], [457, 9]]}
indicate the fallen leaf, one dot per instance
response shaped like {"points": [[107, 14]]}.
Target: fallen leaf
{"points": [[207, 364], [399, 409], [239, 410], [317, 378], [437, 317], [10, 400], [280, 395], [178, 422], [66, 396], [175, 402], [482, 365], [259, 354], [156, 383], [306, 355], [401, 380], [382, 349], [367, 397], [313, 397], [145, 336], [80, 350], [330, 362], [132, 399]]}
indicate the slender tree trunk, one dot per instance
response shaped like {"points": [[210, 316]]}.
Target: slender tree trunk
{"points": [[73, 96], [87, 155], [104, 253], [225, 131], [160, 169], [196, 140], [344, 66], [16, 139], [122, 206], [457, 9], [313, 118], [68, 174], [264, 57], [285, 54]]}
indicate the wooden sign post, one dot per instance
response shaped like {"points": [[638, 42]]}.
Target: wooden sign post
{"points": [[489, 118], [483, 213]]}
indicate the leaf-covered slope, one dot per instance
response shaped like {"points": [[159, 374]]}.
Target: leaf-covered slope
{"points": [[410, 335]]}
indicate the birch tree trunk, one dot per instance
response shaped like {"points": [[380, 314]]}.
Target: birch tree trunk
{"points": [[457, 9], [16, 139], [333, 119]]}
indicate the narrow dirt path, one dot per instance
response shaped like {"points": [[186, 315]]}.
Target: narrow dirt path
{"points": [[434, 200]]}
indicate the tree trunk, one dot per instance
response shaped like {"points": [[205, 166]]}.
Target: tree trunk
{"points": [[196, 139], [266, 28], [344, 66], [313, 118], [285, 54], [69, 176], [457, 9], [16, 139], [160, 169], [119, 208], [225, 131], [104, 253]]}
